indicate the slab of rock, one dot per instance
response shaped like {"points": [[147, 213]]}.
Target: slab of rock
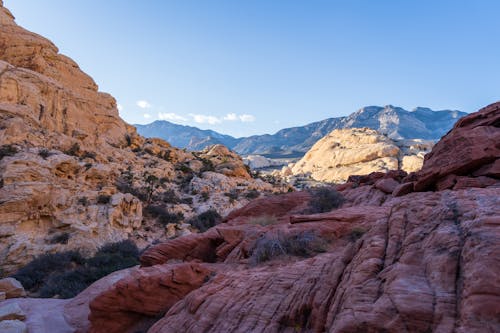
{"points": [[12, 288], [386, 185], [11, 311], [13, 326]]}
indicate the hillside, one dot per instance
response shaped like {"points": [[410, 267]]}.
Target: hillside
{"points": [[397, 123]]}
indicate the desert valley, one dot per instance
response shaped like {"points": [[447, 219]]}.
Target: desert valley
{"points": [[385, 220]]}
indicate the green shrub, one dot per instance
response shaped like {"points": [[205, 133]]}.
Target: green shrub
{"points": [[162, 215], [44, 153], [103, 199], [73, 150], [7, 150], [252, 194], [356, 233], [324, 199], [303, 244], [61, 238], [89, 154], [66, 274], [206, 220]]}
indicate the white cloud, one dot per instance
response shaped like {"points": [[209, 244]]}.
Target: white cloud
{"points": [[204, 119], [143, 104], [171, 116], [119, 107], [231, 117], [147, 115], [247, 118]]}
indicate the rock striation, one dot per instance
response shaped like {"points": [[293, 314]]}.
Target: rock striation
{"points": [[359, 151]]}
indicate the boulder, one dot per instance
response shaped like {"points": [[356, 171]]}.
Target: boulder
{"points": [[13, 326], [12, 288], [11, 311]]}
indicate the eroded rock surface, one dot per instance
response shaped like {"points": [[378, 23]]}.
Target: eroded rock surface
{"points": [[359, 151]]}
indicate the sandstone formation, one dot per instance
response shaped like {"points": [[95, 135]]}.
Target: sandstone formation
{"points": [[359, 151], [74, 175], [416, 262]]}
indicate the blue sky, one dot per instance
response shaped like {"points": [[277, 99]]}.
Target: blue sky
{"points": [[253, 67]]}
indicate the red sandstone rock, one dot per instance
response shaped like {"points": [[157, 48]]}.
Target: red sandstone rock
{"points": [[472, 145], [143, 295], [386, 185], [403, 189]]}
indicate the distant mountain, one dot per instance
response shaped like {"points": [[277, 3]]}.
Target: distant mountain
{"points": [[395, 122], [182, 136]]}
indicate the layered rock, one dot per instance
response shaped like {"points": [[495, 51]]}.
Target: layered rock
{"points": [[359, 151], [421, 262]]}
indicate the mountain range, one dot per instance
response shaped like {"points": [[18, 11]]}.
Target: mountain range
{"points": [[395, 122]]}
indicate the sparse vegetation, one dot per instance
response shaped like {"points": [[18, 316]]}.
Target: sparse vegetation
{"points": [[252, 194], [304, 244], [162, 215], [83, 201], [103, 199], [263, 220], [7, 150], [205, 196], [61, 238], [324, 199], [232, 195], [206, 220], [44, 153], [88, 154], [356, 233], [66, 274], [73, 150]]}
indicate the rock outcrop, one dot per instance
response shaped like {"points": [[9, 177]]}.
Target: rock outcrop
{"points": [[417, 262], [74, 175], [359, 151]]}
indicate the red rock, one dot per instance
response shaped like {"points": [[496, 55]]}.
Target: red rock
{"points": [[386, 185], [403, 189], [144, 294], [471, 145], [466, 182]]}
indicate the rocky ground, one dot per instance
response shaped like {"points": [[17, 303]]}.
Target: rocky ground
{"points": [[401, 253]]}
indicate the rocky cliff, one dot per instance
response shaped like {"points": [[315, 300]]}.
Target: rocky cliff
{"points": [[359, 151], [416, 253], [74, 175]]}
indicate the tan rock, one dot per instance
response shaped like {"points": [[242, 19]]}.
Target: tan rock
{"points": [[12, 288], [13, 326], [11, 311], [359, 151]]}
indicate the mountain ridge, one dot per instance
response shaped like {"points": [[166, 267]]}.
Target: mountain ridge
{"points": [[395, 122]]}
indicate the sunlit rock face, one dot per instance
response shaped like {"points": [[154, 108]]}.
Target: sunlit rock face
{"points": [[359, 151], [74, 175]]}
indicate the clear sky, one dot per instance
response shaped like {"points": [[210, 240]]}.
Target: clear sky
{"points": [[253, 67]]}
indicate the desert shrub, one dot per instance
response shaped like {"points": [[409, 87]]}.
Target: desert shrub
{"points": [[44, 153], [83, 201], [324, 199], [61, 238], [7, 150], [263, 220], [169, 196], [232, 195], [66, 274], [88, 154], [207, 165], [205, 196], [356, 233], [73, 150], [103, 199], [187, 200], [162, 215], [206, 220], [183, 168], [33, 275], [128, 139], [304, 244], [252, 194]]}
